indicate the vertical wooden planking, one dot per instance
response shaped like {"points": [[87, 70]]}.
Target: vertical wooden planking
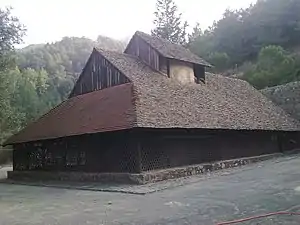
{"points": [[118, 77], [109, 74], [97, 75], [112, 78], [92, 74], [168, 67], [99, 69]]}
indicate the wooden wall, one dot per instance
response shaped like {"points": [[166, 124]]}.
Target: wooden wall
{"points": [[144, 51], [104, 152], [164, 65], [140, 150], [167, 149], [140, 48], [98, 74]]}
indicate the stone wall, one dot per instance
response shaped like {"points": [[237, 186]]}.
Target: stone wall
{"points": [[286, 96], [173, 173], [129, 178]]}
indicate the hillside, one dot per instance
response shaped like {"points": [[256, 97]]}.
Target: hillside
{"points": [[286, 96], [256, 42], [44, 76], [66, 56]]}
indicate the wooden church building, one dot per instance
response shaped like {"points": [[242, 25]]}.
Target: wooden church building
{"points": [[152, 107]]}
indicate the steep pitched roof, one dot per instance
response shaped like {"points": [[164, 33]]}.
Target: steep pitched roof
{"points": [[153, 100], [100, 111], [220, 103], [170, 50]]}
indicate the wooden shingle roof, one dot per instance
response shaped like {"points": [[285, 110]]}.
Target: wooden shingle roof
{"points": [[152, 100], [99, 111], [171, 50], [220, 103]]}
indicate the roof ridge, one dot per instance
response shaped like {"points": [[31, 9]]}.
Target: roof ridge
{"points": [[100, 50], [171, 50], [162, 39]]}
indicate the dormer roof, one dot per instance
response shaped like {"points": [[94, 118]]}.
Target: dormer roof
{"points": [[170, 50]]}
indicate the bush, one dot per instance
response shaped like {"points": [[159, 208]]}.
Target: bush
{"points": [[5, 156], [219, 60], [274, 67]]}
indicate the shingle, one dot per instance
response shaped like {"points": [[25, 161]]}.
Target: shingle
{"points": [[171, 50], [220, 103], [100, 111], [153, 100]]}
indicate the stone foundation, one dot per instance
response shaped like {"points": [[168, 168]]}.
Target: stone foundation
{"points": [[143, 178]]}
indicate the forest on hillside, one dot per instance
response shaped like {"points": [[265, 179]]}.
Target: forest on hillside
{"points": [[259, 44]]}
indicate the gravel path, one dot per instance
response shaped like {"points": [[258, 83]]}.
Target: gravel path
{"points": [[269, 186]]}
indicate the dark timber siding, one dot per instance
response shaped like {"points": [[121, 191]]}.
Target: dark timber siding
{"points": [[140, 150], [98, 74], [173, 148], [199, 72], [144, 51], [164, 65], [105, 152]]}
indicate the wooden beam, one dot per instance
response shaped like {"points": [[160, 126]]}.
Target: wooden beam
{"points": [[168, 67]]}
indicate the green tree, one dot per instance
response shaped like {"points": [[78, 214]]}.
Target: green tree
{"points": [[168, 22], [25, 99], [11, 34], [241, 34], [274, 67], [220, 61], [196, 33], [10, 117]]}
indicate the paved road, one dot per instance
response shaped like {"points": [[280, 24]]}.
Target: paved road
{"points": [[259, 188]]}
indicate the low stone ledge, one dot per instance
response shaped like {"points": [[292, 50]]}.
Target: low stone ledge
{"points": [[124, 178], [143, 178], [173, 173]]}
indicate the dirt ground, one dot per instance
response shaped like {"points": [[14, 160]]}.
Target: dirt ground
{"points": [[264, 187]]}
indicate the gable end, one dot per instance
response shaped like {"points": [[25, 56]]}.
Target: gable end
{"points": [[98, 74], [144, 51]]}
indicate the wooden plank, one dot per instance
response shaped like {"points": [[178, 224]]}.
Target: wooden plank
{"points": [[139, 158], [99, 74], [168, 67]]}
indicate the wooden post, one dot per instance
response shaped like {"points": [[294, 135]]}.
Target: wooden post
{"points": [[168, 67], [280, 142], [14, 158], [139, 158]]}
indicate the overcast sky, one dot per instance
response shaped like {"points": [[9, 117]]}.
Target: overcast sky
{"points": [[50, 20]]}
